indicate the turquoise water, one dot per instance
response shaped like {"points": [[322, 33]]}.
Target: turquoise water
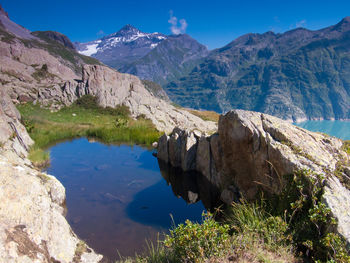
{"points": [[340, 129], [117, 196]]}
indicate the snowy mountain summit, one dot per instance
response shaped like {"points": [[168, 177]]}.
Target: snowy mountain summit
{"points": [[126, 45]]}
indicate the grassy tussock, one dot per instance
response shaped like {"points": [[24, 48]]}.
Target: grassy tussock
{"points": [[39, 157]]}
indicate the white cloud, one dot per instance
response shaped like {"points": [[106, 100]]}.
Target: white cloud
{"points": [[301, 23], [177, 26]]}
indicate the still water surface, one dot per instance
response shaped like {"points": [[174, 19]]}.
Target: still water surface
{"points": [[116, 195]]}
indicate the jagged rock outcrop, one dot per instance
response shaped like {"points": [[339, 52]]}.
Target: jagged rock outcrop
{"points": [[253, 151], [113, 88], [32, 223]]}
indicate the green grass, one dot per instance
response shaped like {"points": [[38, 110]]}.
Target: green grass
{"points": [[112, 126], [39, 157], [259, 235]]}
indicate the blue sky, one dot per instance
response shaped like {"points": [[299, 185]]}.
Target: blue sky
{"points": [[213, 23]]}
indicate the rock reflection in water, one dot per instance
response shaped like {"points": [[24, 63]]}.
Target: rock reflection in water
{"points": [[191, 186]]}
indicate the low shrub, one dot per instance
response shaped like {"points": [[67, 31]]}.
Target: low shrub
{"points": [[194, 242]]}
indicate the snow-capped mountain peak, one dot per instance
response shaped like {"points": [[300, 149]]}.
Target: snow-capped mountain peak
{"points": [[127, 42]]}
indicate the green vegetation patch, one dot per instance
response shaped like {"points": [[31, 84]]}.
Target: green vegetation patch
{"points": [[194, 242], [6, 36], [206, 115], [43, 73], [83, 119], [310, 222], [39, 157], [341, 170]]}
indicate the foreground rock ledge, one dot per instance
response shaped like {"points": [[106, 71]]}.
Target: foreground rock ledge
{"points": [[252, 150]]}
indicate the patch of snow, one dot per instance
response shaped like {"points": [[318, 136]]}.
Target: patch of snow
{"points": [[154, 45], [90, 49]]}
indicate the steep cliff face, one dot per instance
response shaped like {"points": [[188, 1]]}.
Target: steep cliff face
{"points": [[252, 152], [32, 223]]}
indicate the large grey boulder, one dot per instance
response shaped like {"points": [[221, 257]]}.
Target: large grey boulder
{"points": [[257, 149], [32, 223]]}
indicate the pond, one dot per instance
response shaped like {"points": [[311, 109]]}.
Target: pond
{"points": [[117, 197]]}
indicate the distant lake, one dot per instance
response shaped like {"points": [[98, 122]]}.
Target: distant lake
{"points": [[117, 196], [340, 129]]}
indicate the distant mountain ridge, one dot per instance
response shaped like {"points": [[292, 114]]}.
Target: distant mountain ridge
{"points": [[300, 74]]}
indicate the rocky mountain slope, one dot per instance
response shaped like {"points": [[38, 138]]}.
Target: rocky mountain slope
{"points": [[122, 47], [300, 74], [171, 59], [56, 36], [254, 152]]}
